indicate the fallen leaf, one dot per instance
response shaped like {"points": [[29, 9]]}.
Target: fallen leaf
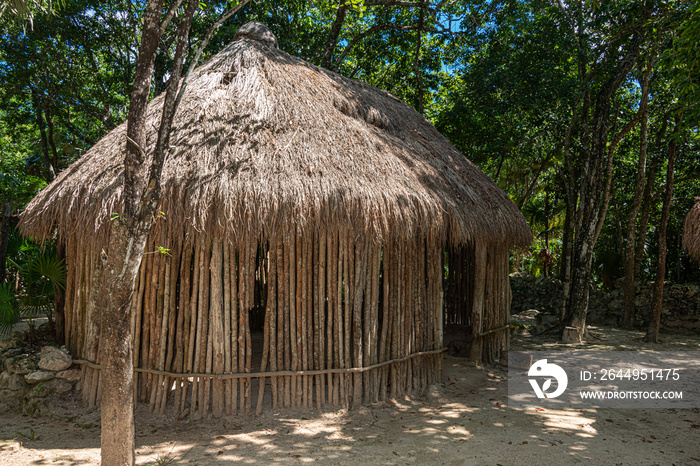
{"points": [[652, 437], [296, 456], [525, 442], [219, 437]]}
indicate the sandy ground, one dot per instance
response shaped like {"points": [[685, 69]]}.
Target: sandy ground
{"points": [[464, 420]]}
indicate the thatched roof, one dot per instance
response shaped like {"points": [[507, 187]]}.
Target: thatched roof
{"points": [[265, 141], [691, 232]]}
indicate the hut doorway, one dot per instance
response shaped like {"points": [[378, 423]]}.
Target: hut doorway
{"points": [[477, 301]]}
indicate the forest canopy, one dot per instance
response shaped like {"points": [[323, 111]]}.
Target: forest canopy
{"points": [[561, 103]]}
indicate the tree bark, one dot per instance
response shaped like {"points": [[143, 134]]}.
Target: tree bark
{"points": [[123, 259], [416, 60], [629, 256], [332, 40], [128, 240], [652, 335], [49, 172], [591, 192], [60, 303], [4, 238]]}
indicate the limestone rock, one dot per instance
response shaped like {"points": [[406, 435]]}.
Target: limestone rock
{"points": [[9, 343], [10, 381], [22, 364], [53, 359], [35, 407], [53, 386], [71, 375], [616, 305], [39, 376]]}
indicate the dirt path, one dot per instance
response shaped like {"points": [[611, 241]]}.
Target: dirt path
{"points": [[465, 420]]}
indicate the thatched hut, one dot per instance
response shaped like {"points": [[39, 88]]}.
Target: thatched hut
{"points": [[310, 221], [691, 231]]}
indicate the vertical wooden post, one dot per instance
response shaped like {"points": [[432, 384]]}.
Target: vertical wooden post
{"points": [[217, 326], [480, 266]]}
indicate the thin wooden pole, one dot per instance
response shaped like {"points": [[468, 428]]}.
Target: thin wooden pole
{"points": [[193, 323], [217, 327], [183, 319], [480, 266], [321, 328], [226, 262], [273, 309], [268, 342], [361, 252], [235, 252]]}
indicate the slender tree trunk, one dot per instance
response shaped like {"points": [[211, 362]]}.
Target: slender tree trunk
{"points": [[124, 254], [416, 60], [53, 163], [60, 303], [629, 256], [658, 295], [591, 194], [332, 40], [647, 201], [117, 404], [4, 238], [570, 199], [49, 173]]}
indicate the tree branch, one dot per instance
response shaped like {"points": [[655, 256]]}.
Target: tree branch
{"points": [[169, 15]]}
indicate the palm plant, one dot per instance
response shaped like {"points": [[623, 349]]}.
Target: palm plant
{"points": [[8, 308], [43, 277]]}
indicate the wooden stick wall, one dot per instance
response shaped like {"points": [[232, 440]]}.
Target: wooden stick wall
{"points": [[478, 296], [320, 302]]}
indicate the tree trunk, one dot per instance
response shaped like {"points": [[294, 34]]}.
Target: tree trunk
{"points": [[658, 296], [60, 303], [629, 256], [128, 238], [4, 238], [117, 372], [416, 60], [592, 191], [647, 202], [53, 163], [49, 172], [124, 254], [332, 40]]}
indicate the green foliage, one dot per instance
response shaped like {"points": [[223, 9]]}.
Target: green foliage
{"points": [[8, 308], [42, 278], [500, 79]]}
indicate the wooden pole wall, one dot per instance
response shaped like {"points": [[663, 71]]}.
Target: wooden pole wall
{"points": [[328, 300]]}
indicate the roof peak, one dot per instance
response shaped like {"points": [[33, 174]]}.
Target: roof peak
{"points": [[256, 30]]}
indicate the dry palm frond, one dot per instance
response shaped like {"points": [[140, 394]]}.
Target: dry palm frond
{"points": [[691, 232]]}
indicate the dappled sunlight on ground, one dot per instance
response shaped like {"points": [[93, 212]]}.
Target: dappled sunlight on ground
{"points": [[463, 421]]}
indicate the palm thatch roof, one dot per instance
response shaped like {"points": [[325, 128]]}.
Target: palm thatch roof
{"points": [[691, 232], [263, 141]]}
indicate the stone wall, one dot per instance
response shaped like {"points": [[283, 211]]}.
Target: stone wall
{"points": [[681, 305], [29, 379]]}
